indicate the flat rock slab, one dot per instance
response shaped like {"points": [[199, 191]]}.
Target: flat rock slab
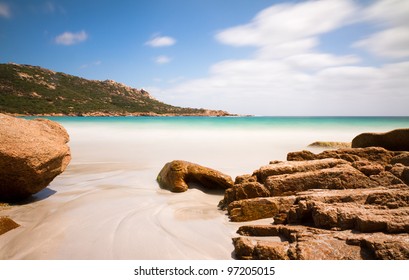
{"points": [[307, 243]]}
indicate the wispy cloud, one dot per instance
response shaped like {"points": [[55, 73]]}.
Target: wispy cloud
{"points": [[161, 41], [162, 59], [393, 40], [95, 63], [5, 11], [70, 38], [288, 74], [51, 8]]}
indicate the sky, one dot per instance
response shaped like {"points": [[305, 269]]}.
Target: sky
{"points": [[251, 57]]}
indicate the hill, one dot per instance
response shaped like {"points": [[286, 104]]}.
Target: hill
{"points": [[32, 90]]}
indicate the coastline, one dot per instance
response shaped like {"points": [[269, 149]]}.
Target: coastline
{"points": [[107, 204]]}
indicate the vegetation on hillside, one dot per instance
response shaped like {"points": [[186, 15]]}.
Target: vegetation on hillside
{"points": [[32, 90]]}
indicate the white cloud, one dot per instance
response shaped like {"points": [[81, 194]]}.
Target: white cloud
{"points": [[161, 41], [393, 40], [288, 74], [162, 59], [69, 38], [285, 23], [5, 10], [388, 12]]}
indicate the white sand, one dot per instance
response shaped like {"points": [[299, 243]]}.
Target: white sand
{"points": [[107, 204]]}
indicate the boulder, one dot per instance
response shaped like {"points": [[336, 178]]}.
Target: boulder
{"points": [[395, 140], [32, 154], [176, 175], [402, 158]]}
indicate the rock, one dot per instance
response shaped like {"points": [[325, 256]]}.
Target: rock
{"points": [[339, 204], [260, 208], [32, 154], [246, 249], [294, 167], [384, 247], [395, 140], [368, 168], [402, 158], [7, 224], [324, 144], [287, 178], [372, 154], [369, 210], [176, 175], [400, 171], [243, 190], [339, 177], [306, 243]]}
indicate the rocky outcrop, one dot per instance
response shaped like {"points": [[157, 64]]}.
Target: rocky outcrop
{"points": [[176, 176], [372, 154], [308, 243], [32, 154], [395, 140], [340, 204]]}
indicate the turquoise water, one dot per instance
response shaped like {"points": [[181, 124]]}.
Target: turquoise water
{"points": [[247, 122], [232, 144]]}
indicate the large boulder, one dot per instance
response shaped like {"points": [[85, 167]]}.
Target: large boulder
{"points": [[395, 140], [32, 154], [176, 175]]}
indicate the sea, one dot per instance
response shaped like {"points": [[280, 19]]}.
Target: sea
{"points": [[108, 205]]}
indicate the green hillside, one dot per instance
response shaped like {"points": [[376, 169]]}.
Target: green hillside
{"points": [[32, 90]]}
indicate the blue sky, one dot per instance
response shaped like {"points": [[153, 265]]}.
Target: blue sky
{"points": [[259, 57]]}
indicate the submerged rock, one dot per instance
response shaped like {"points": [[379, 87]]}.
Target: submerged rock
{"points": [[176, 175], [395, 140], [32, 154], [325, 144]]}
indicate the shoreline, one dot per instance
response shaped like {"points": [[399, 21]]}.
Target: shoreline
{"points": [[107, 204]]}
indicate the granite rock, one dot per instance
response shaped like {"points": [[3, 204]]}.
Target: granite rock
{"points": [[176, 176], [32, 154]]}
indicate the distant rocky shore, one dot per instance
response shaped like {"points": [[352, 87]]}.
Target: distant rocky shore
{"points": [[349, 203], [205, 113], [35, 91]]}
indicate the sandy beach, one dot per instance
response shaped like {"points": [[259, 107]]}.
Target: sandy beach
{"points": [[107, 204]]}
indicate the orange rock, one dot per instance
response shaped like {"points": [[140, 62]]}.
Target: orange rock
{"points": [[32, 154]]}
